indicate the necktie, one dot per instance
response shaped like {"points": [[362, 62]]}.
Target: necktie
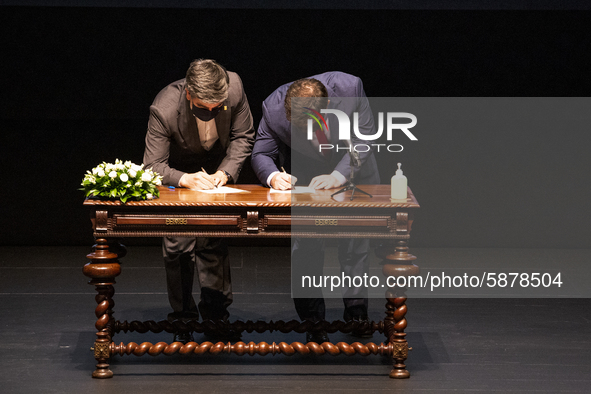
{"points": [[321, 137]]}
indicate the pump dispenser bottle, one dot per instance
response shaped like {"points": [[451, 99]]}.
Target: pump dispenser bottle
{"points": [[398, 185]]}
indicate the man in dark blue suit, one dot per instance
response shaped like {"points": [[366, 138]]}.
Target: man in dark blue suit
{"points": [[282, 141]]}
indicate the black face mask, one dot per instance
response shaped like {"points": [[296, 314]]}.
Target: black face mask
{"points": [[204, 114]]}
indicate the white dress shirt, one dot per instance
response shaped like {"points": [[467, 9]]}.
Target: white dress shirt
{"points": [[208, 133]]}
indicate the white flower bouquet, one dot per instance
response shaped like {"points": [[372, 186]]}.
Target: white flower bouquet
{"points": [[121, 180]]}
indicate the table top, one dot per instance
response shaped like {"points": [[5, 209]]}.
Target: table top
{"points": [[259, 196]]}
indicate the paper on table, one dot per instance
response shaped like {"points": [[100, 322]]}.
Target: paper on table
{"points": [[223, 190], [296, 190]]}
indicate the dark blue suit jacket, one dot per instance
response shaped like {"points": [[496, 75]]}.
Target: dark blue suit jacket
{"points": [[275, 146]]}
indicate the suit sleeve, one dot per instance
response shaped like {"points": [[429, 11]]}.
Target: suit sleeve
{"points": [[366, 126], [266, 150], [241, 136], [158, 148]]}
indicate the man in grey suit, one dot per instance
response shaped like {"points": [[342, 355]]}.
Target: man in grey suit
{"points": [[201, 122]]}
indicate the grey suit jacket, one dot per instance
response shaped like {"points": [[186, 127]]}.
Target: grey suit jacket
{"points": [[172, 140]]}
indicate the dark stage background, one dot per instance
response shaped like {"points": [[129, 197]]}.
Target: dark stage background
{"points": [[77, 84]]}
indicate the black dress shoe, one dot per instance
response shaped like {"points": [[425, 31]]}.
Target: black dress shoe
{"points": [[183, 337], [319, 337], [361, 332]]}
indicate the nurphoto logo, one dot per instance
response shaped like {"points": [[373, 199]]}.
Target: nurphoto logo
{"points": [[345, 130]]}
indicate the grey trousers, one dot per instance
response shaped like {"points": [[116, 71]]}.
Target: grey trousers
{"points": [[307, 258], [210, 256]]}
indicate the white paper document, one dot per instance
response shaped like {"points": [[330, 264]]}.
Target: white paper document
{"points": [[223, 190], [296, 190]]}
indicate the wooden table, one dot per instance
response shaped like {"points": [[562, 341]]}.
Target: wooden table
{"points": [[258, 214]]}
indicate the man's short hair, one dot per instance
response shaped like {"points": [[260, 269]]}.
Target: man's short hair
{"points": [[314, 95], [207, 81]]}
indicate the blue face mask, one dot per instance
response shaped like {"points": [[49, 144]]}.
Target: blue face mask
{"points": [[204, 114]]}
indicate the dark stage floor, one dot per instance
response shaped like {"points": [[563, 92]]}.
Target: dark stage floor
{"points": [[459, 345]]}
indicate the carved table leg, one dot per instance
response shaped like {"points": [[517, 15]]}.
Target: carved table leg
{"points": [[395, 325], [397, 262], [102, 269]]}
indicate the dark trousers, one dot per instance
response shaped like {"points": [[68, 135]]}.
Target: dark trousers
{"points": [[210, 256], [307, 257]]}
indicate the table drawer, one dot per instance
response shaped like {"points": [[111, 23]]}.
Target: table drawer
{"points": [[338, 223], [121, 221]]}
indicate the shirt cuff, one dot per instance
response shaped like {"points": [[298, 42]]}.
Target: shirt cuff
{"points": [[339, 177], [271, 175], [180, 179]]}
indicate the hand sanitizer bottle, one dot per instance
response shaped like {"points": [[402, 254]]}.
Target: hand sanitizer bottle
{"points": [[399, 184]]}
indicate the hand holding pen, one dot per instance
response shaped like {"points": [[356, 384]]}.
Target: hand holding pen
{"points": [[219, 178], [283, 181], [198, 181]]}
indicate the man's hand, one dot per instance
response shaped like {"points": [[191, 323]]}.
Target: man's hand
{"points": [[283, 181], [220, 178], [324, 182], [198, 181]]}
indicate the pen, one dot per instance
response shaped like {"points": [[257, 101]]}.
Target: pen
{"points": [[203, 169], [283, 169]]}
